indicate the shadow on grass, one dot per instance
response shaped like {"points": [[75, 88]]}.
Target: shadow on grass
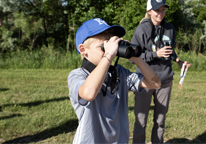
{"points": [[66, 127], [3, 89], [199, 139], [11, 116], [36, 103]]}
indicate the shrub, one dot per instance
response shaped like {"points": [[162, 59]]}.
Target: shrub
{"points": [[45, 58]]}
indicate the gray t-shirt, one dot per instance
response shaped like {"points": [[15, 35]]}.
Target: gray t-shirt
{"points": [[105, 119]]}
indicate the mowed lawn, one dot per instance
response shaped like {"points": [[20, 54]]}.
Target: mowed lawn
{"points": [[35, 108]]}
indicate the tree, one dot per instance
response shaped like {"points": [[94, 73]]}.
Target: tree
{"points": [[129, 14], [54, 19], [28, 29], [7, 8], [203, 37], [35, 23], [199, 10], [50, 14]]}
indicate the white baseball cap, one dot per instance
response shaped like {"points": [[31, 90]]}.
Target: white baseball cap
{"points": [[155, 4]]}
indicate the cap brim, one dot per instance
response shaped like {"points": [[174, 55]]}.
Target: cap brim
{"points": [[160, 5], [118, 30]]}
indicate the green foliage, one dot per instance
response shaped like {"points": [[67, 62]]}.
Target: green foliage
{"points": [[194, 42], [9, 6], [198, 61], [29, 23], [174, 14], [203, 37], [46, 58], [199, 10], [129, 14], [7, 41], [88, 9], [49, 58], [28, 28]]}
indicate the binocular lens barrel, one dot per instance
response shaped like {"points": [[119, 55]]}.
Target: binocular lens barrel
{"points": [[127, 50], [137, 50]]}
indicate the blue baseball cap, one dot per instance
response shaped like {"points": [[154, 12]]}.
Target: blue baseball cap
{"points": [[93, 27]]}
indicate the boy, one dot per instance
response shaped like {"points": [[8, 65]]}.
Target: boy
{"points": [[98, 91]]}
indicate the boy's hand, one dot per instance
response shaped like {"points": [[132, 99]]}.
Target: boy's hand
{"points": [[135, 60], [111, 46], [164, 52]]}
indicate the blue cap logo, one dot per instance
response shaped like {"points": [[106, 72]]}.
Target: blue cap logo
{"points": [[100, 21]]}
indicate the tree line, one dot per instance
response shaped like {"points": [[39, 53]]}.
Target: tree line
{"points": [[33, 24]]}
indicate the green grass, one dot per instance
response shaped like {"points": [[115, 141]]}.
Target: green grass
{"points": [[35, 108]]}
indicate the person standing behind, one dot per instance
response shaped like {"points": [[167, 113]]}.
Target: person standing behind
{"points": [[152, 34]]}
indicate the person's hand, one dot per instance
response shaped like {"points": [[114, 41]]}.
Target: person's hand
{"points": [[180, 63], [164, 52], [111, 46]]}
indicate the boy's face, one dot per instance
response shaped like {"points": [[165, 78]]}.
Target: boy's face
{"points": [[94, 52]]}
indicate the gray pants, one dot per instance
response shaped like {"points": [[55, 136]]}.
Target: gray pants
{"points": [[142, 107]]}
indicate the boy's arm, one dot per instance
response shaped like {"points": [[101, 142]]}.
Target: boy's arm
{"points": [[151, 80], [94, 81]]}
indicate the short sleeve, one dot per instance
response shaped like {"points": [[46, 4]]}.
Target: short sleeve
{"points": [[75, 80], [134, 80]]}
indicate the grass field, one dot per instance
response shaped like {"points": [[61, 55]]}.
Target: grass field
{"points": [[35, 108]]}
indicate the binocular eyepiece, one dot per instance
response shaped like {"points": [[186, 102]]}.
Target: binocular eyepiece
{"points": [[127, 50]]}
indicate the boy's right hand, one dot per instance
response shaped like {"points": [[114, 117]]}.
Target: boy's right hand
{"points": [[111, 46]]}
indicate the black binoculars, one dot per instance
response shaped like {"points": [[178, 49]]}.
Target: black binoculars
{"points": [[127, 50], [172, 56]]}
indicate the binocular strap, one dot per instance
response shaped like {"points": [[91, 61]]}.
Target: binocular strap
{"points": [[112, 79]]}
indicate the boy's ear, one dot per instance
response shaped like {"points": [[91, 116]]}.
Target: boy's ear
{"points": [[82, 50]]}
